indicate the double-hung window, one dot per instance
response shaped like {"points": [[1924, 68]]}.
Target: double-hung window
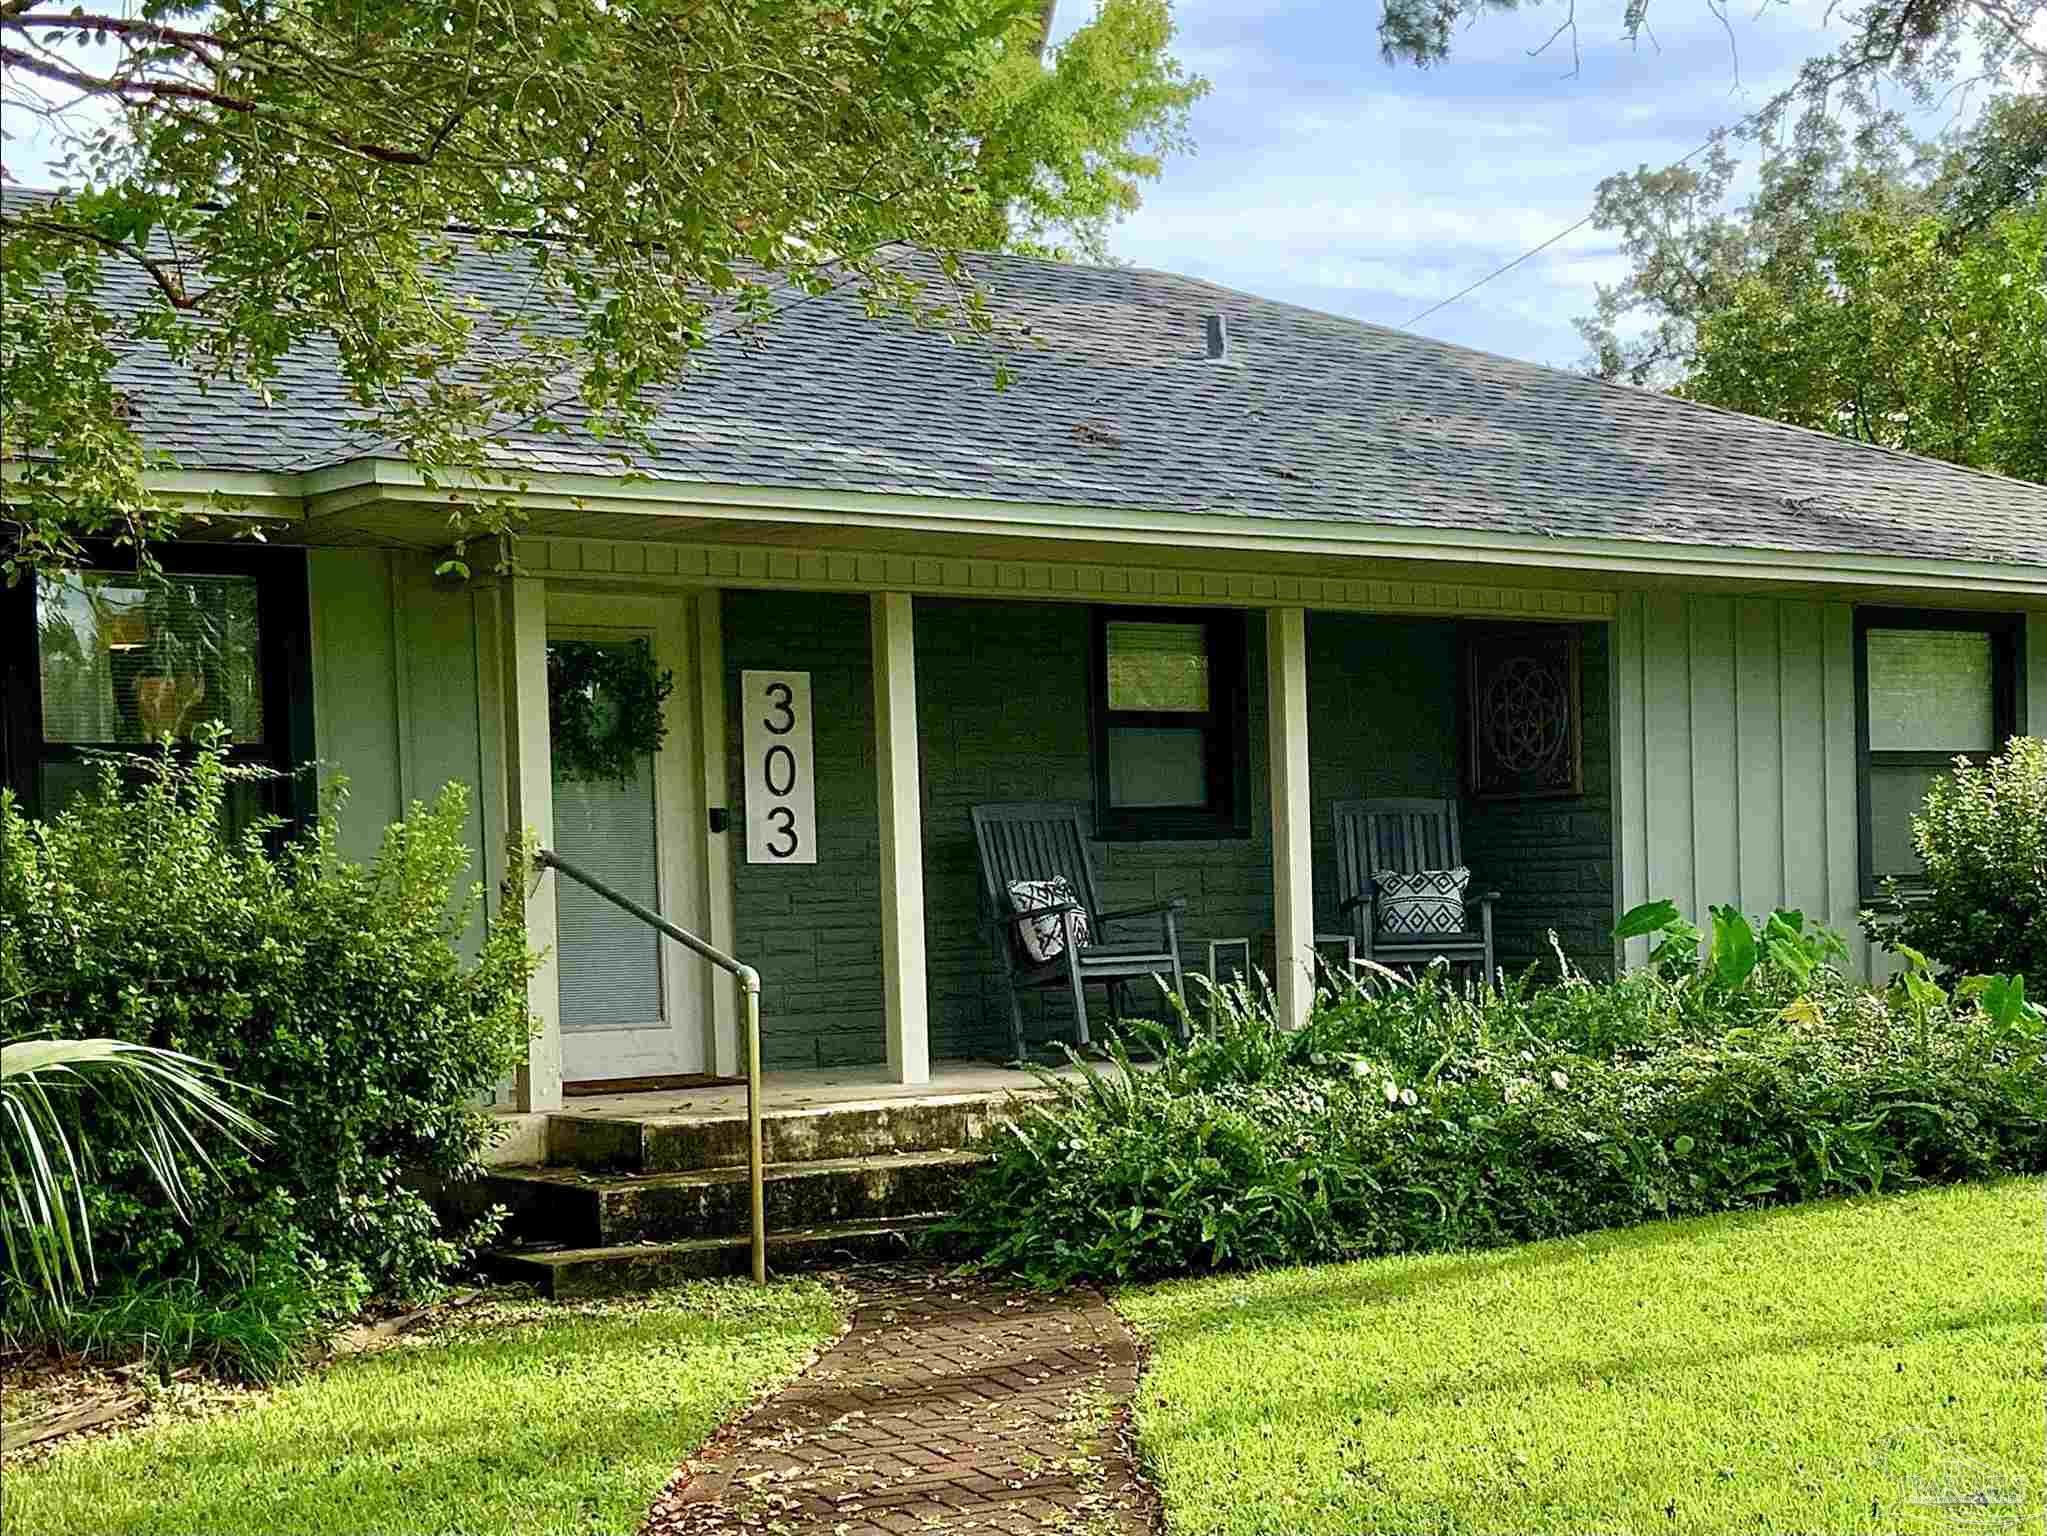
{"points": [[1169, 724], [1931, 686]]}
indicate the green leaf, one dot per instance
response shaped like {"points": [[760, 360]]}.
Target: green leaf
{"points": [[1733, 957], [1650, 917], [2002, 999]]}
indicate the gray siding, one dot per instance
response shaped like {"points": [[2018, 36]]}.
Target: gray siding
{"points": [[395, 701], [1735, 732], [1737, 771]]}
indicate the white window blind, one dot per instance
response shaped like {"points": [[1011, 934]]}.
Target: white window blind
{"points": [[610, 961]]}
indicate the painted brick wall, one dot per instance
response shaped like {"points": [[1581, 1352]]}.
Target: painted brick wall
{"points": [[813, 930], [1002, 715], [1382, 721], [1552, 860]]}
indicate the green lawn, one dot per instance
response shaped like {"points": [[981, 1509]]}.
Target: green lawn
{"points": [[1800, 1371], [549, 1421]]}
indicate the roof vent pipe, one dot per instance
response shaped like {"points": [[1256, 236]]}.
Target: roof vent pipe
{"points": [[1218, 338]]}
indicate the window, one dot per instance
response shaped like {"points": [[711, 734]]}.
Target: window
{"points": [[1169, 725], [1930, 686], [103, 658]]}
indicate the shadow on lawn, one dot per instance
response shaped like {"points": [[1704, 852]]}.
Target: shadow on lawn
{"points": [[1342, 1300], [1371, 1282], [1336, 1403], [458, 1437]]}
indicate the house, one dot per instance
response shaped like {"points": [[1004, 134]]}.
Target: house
{"points": [[1649, 647]]}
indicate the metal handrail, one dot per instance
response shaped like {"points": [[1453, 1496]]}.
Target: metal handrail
{"points": [[750, 983]]}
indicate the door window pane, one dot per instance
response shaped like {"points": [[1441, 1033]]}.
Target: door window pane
{"points": [[609, 961], [1158, 667], [124, 659], [1931, 690], [1157, 767]]}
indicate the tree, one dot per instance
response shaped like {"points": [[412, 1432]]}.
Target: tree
{"points": [[1690, 252], [286, 171], [1895, 327], [1919, 46]]}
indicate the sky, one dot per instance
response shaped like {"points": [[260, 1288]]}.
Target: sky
{"points": [[1324, 177]]}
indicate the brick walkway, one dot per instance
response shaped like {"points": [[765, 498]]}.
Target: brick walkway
{"points": [[947, 1406]]}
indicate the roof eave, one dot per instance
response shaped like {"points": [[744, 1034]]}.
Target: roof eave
{"points": [[333, 489]]}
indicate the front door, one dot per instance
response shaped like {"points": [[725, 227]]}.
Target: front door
{"points": [[633, 1003]]}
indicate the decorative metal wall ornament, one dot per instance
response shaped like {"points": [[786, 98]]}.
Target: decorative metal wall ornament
{"points": [[1523, 711]]}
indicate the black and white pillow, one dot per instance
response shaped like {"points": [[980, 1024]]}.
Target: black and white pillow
{"points": [[1044, 938], [1428, 901]]}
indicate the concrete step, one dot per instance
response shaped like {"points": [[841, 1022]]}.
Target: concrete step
{"points": [[579, 1208], [679, 1144], [615, 1269]]}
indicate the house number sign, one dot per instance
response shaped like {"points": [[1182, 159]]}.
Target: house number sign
{"points": [[781, 798]]}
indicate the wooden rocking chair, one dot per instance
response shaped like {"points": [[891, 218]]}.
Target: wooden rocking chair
{"points": [[1033, 841], [1405, 837]]}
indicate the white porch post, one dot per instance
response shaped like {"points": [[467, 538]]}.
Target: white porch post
{"points": [[902, 837], [529, 804], [727, 1050], [1293, 882]]}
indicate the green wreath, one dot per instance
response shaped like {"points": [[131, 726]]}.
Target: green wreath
{"points": [[604, 702]]}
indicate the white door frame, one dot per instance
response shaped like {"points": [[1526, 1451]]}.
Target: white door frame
{"points": [[679, 1041]]}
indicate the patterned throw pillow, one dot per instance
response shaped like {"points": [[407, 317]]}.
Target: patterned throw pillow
{"points": [[1425, 902], [1044, 938]]}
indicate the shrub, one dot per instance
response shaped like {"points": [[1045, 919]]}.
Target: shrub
{"points": [[1983, 837], [260, 1326], [170, 1102], [336, 988], [1427, 1117]]}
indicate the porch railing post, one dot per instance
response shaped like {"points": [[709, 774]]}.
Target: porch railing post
{"points": [[750, 982], [1293, 879]]}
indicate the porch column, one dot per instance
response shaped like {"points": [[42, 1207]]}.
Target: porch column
{"points": [[1293, 882], [901, 800], [529, 804]]}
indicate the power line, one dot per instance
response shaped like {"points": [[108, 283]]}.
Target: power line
{"points": [[1593, 213], [1497, 271]]}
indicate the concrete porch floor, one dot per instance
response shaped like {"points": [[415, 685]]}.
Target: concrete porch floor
{"points": [[813, 1088]]}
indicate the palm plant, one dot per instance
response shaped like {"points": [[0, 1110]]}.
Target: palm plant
{"points": [[172, 1096]]}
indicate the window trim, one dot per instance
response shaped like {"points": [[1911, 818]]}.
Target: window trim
{"points": [[2007, 705], [284, 625], [1226, 722]]}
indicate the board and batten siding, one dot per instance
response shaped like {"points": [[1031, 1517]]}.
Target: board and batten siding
{"points": [[1734, 748], [1735, 761], [396, 701]]}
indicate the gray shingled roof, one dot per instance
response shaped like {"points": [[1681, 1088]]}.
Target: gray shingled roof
{"points": [[1115, 405]]}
